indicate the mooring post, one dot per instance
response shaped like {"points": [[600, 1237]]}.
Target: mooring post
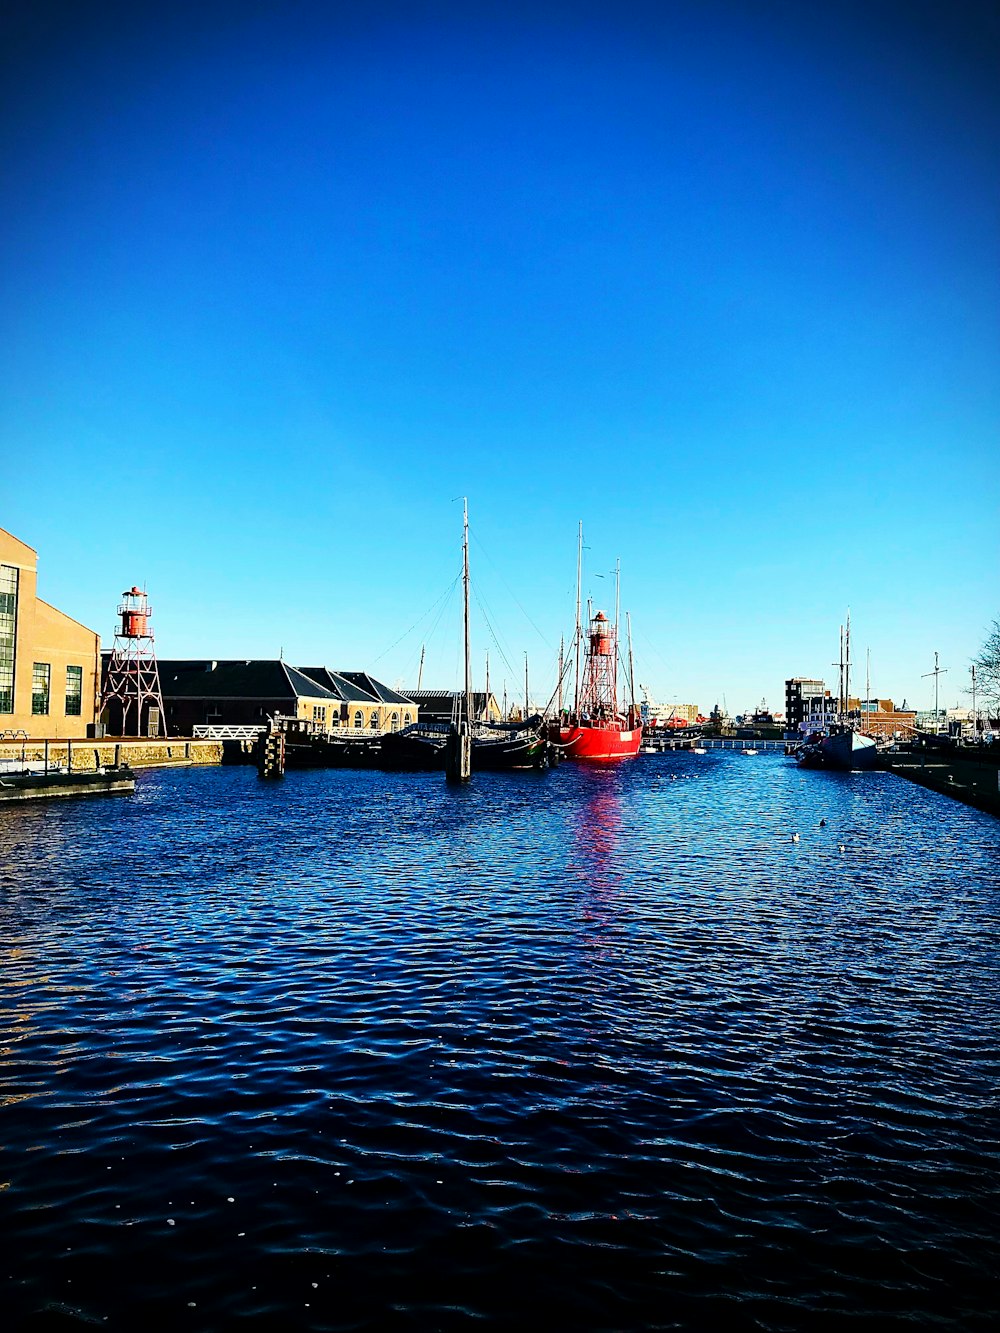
{"points": [[458, 754], [69, 755], [271, 754], [46, 756]]}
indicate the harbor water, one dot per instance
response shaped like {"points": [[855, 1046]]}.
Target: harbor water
{"points": [[585, 1049]]}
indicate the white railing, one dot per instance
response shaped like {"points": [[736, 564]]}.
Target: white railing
{"points": [[212, 732]]}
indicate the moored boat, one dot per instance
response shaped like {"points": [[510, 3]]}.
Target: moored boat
{"points": [[597, 730], [840, 747], [839, 744]]}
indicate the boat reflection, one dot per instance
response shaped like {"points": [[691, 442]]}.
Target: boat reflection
{"points": [[597, 849]]}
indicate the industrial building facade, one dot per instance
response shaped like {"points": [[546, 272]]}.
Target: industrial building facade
{"points": [[49, 663]]}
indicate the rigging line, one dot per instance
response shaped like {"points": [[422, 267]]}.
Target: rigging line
{"points": [[511, 591], [483, 606], [423, 616], [656, 652], [489, 626]]}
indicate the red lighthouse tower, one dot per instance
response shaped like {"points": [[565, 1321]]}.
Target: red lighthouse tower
{"points": [[132, 701]]}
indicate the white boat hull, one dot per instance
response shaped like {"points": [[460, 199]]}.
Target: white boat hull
{"points": [[847, 750]]}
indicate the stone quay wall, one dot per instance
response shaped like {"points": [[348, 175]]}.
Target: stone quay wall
{"points": [[83, 755]]}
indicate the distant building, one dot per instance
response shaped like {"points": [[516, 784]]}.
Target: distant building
{"points": [[206, 692], [49, 663], [365, 701], [239, 693], [440, 705], [885, 719], [800, 692]]}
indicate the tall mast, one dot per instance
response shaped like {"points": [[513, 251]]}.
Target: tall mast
{"points": [[420, 669], [975, 716], [486, 698], [579, 631], [559, 687], [525, 687], [847, 664], [936, 673], [631, 673], [614, 655], [868, 679], [465, 590], [840, 678]]}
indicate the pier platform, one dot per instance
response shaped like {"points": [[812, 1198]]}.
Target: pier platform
{"points": [[968, 776], [44, 785]]}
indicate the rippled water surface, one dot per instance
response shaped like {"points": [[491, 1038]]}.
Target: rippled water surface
{"points": [[576, 1050]]}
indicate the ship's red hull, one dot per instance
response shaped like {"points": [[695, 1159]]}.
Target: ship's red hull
{"points": [[600, 743]]}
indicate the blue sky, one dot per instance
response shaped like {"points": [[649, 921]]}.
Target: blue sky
{"points": [[278, 283]]}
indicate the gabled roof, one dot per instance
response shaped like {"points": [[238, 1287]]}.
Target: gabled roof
{"points": [[272, 679], [339, 685], [376, 687]]}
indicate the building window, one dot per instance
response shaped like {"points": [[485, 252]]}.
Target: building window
{"points": [[74, 691], [373, 722], [41, 677], [8, 633], [359, 720], [394, 722], [406, 719], [319, 713]]}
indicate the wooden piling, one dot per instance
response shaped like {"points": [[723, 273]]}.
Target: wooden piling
{"points": [[271, 754], [458, 754]]}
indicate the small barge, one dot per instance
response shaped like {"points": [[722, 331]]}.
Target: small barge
{"points": [[40, 783]]}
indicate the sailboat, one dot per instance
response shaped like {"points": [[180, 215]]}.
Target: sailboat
{"points": [[840, 745], [597, 730], [493, 745]]}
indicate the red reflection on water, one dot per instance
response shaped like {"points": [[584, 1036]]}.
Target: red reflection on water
{"points": [[597, 833]]}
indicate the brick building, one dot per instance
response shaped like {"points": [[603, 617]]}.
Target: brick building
{"points": [[49, 662]]}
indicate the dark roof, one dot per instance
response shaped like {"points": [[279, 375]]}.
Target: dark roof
{"points": [[238, 680], [440, 702], [376, 687], [339, 685]]}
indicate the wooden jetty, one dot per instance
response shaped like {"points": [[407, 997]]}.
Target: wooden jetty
{"points": [[44, 783]]}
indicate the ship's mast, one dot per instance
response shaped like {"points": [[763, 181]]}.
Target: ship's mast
{"points": [[486, 698], [614, 659], [559, 687], [420, 669], [847, 665], [840, 678], [465, 590], [579, 629], [525, 687], [631, 672]]}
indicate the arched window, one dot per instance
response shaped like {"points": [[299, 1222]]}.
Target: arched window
{"points": [[359, 720], [373, 721], [406, 719], [394, 722]]}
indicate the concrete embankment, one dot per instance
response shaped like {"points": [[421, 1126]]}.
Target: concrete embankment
{"points": [[86, 755], [974, 779]]}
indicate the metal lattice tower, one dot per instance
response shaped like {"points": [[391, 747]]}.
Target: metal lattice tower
{"points": [[599, 689], [133, 679]]}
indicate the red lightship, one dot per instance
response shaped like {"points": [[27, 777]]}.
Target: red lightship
{"points": [[597, 730]]}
